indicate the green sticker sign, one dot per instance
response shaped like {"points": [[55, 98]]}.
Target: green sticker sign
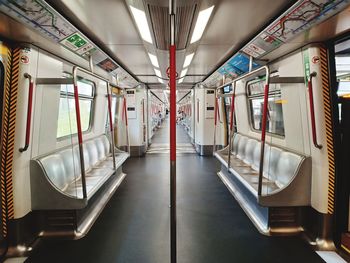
{"points": [[306, 60], [76, 40]]}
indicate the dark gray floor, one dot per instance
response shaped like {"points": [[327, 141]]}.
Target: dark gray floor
{"points": [[134, 226]]}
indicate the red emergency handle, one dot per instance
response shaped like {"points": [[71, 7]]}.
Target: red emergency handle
{"points": [[312, 112], [29, 112]]}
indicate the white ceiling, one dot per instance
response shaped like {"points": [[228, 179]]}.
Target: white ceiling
{"points": [[109, 21]]}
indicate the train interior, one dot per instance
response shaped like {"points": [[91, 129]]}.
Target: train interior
{"points": [[174, 131]]}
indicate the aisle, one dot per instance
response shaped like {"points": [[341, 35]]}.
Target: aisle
{"points": [[160, 141], [212, 228]]}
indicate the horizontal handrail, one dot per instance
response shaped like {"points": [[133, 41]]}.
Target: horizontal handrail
{"points": [[312, 111], [29, 112], [243, 76]]}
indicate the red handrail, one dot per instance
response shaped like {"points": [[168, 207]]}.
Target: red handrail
{"points": [[125, 113], [111, 127], [216, 111], [263, 136], [29, 112], [110, 112], [312, 111], [232, 110], [77, 111], [126, 124]]}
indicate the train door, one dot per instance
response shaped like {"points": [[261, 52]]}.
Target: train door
{"points": [[341, 82], [3, 241]]}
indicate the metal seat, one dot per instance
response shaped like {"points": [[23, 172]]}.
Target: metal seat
{"points": [[56, 180]]}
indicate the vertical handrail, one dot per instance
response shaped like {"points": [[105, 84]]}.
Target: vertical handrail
{"points": [[312, 111], [126, 125], [172, 86], [215, 122], [80, 136], [29, 112], [197, 110], [111, 127], [263, 133], [231, 126]]}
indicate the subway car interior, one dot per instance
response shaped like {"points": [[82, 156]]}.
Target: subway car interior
{"points": [[155, 131]]}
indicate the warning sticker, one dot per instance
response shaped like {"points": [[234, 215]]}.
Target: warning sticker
{"points": [[250, 52]]}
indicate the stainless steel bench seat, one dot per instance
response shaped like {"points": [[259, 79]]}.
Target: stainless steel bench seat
{"points": [[56, 180], [286, 176]]}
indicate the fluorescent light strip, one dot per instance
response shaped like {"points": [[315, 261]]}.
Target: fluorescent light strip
{"points": [[188, 60], [141, 22], [201, 23], [183, 73], [154, 60], [160, 80], [181, 80]]}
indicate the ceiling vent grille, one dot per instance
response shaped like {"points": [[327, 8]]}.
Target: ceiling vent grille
{"points": [[161, 25]]}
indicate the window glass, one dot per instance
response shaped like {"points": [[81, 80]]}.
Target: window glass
{"points": [[67, 123], [274, 122], [84, 88], [257, 87]]}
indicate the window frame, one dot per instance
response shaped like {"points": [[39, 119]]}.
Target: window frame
{"points": [[70, 95], [272, 94]]}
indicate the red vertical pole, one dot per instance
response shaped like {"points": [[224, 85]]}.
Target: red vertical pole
{"points": [[125, 114], [232, 111], [263, 136], [109, 99], [80, 138], [173, 152]]}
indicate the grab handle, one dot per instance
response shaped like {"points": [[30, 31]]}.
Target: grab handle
{"points": [[312, 112], [29, 112]]}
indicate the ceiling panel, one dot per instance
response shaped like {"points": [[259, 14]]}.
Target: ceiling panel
{"points": [[134, 56], [206, 58], [108, 19], [232, 23]]}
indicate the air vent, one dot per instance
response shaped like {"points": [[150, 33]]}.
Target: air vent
{"points": [[160, 24]]}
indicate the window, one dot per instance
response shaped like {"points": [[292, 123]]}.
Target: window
{"points": [[67, 123], [274, 124]]}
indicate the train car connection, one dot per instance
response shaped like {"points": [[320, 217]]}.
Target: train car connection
{"points": [[175, 131]]}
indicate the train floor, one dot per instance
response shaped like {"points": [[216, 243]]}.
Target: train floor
{"points": [[134, 226]]}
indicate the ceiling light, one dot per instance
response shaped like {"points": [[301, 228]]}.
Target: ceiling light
{"points": [[183, 72], [181, 80], [201, 23], [188, 60], [160, 80], [154, 60], [158, 73], [141, 22]]}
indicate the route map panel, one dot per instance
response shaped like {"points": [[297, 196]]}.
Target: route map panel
{"points": [[38, 15], [299, 18]]}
